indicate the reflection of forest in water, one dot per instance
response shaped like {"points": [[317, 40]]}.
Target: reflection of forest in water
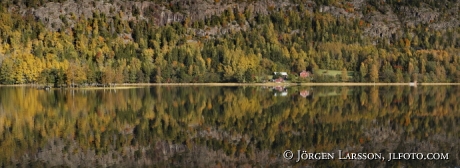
{"points": [[229, 126]]}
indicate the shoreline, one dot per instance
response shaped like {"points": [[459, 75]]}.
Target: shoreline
{"points": [[134, 85], [285, 84]]}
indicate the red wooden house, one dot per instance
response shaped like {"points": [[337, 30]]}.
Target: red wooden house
{"points": [[304, 74], [279, 80]]}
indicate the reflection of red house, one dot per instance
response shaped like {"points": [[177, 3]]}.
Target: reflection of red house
{"points": [[304, 74], [279, 88], [279, 80], [304, 93]]}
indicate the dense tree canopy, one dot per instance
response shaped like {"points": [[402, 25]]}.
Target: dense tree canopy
{"points": [[110, 50]]}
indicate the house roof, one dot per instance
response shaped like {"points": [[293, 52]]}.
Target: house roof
{"points": [[281, 73]]}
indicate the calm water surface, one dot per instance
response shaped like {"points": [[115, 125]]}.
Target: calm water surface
{"points": [[197, 126]]}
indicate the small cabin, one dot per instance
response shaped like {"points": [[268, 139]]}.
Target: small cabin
{"points": [[414, 84], [279, 80], [284, 75], [304, 74]]}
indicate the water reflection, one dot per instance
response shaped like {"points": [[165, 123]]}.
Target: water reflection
{"points": [[198, 126]]}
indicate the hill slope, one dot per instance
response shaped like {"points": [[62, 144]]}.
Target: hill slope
{"points": [[67, 42]]}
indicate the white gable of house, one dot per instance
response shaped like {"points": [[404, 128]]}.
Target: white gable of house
{"points": [[281, 73]]}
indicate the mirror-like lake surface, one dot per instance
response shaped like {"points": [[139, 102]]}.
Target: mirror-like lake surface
{"points": [[204, 126]]}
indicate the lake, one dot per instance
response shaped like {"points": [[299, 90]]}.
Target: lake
{"points": [[247, 126]]}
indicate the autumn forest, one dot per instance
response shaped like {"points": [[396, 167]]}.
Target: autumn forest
{"points": [[108, 50]]}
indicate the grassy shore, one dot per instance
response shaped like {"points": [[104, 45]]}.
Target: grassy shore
{"points": [[137, 85], [285, 84]]}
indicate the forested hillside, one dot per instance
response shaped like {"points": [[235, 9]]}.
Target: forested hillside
{"points": [[65, 42]]}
